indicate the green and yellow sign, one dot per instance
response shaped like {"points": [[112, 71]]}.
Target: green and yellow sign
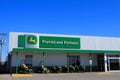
{"points": [[49, 41]]}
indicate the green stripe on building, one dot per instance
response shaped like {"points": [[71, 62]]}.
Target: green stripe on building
{"points": [[58, 50]]}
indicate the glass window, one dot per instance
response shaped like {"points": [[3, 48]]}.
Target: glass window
{"points": [[28, 60], [74, 60]]}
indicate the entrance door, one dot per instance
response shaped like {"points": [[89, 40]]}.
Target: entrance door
{"points": [[114, 64]]}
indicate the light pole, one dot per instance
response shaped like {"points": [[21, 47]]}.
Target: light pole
{"points": [[2, 41]]}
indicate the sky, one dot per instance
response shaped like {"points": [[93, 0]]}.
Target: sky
{"points": [[74, 17]]}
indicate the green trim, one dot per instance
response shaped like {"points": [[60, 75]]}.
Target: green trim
{"points": [[68, 62], [43, 60], [17, 63], [57, 50]]}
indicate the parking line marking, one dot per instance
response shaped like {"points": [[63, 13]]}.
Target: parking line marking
{"points": [[22, 75]]}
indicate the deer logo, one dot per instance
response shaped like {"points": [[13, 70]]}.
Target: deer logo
{"points": [[32, 39]]}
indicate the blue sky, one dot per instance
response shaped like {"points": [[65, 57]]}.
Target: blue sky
{"points": [[74, 17]]}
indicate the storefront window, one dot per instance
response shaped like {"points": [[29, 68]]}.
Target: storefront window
{"points": [[74, 60], [28, 60]]}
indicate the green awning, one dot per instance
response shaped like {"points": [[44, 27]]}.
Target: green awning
{"points": [[59, 50]]}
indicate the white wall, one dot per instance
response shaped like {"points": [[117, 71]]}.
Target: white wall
{"points": [[99, 43], [84, 59], [59, 59], [20, 58]]}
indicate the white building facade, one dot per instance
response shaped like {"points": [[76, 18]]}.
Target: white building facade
{"points": [[94, 53]]}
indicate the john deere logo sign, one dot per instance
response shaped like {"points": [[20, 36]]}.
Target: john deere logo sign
{"points": [[36, 41], [32, 40]]}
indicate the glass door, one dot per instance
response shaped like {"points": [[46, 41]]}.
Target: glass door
{"points": [[113, 64]]}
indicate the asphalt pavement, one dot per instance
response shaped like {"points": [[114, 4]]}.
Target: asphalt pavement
{"points": [[67, 76]]}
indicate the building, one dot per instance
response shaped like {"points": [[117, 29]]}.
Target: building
{"points": [[34, 49]]}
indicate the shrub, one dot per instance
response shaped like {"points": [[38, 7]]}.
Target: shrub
{"points": [[81, 68], [58, 69], [65, 69], [77, 69], [71, 68], [25, 69], [44, 69], [53, 69]]}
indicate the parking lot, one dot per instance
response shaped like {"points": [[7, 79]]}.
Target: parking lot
{"points": [[67, 76]]}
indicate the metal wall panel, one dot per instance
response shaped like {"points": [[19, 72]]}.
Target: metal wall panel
{"points": [[87, 42]]}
